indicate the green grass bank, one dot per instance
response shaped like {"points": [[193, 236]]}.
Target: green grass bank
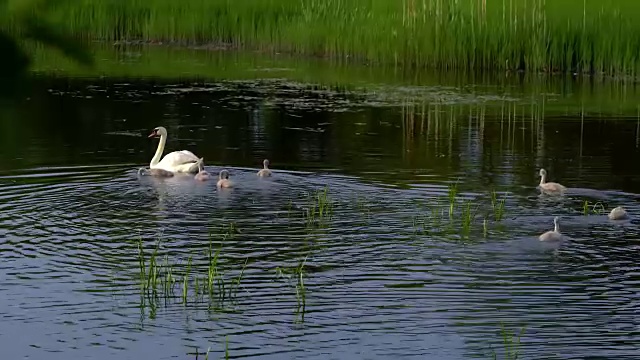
{"points": [[591, 36]]}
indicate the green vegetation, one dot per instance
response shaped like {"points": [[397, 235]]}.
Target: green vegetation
{"points": [[319, 209], [537, 35], [462, 221], [452, 193], [159, 281], [497, 206], [301, 291], [596, 209], [511, 343]]}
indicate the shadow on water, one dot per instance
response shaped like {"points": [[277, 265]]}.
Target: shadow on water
{"points": [[381, 265]]}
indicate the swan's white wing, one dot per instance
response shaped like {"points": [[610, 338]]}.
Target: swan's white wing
{"points": [[188, 153], [176, 158]]}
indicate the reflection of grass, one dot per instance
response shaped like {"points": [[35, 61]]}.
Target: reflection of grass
{"points": [[363, 208], [484, 228], [179, 63]]}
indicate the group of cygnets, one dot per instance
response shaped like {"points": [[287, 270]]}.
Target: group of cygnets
{"points": [[186, 162], [618, 213]]}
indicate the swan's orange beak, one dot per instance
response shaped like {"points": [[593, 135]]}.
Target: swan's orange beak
{"points": [[154, 133]]}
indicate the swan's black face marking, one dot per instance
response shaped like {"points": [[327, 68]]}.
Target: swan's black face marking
{"points": [[154, 133]]}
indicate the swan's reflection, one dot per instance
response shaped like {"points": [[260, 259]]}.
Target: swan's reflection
{"points": [[182, 200], [175, 194]]}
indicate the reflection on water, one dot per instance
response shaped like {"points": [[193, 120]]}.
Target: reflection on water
{"points": [[389, 274]]}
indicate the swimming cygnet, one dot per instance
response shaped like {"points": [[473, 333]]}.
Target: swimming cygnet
{"points": [[552, 235], [155, 172], [265, 170], [619, 213], [549, 186], [202, 174], [223, 180]]}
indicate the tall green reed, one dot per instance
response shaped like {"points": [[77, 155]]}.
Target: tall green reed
{"points": [[534, 35], [497, 206], [159, 280], [597, 208], [510, 342], [319, 208], [452, 193], [298, 274]]}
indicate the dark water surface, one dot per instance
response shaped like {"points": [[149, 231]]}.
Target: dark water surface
{"points": [[388, 275]]}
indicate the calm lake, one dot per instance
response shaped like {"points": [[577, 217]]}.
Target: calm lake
{"points": [[379, 266]]}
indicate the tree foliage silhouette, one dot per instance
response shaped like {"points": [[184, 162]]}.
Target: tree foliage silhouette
{"points": [[25, 20]]}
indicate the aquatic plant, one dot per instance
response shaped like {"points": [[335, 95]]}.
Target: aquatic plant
{"points": [[301, 290], [194, 287], [289, 207], [497, 206], [229, 231], [214, 278], [319, 208], [198, 353], [468, 216], [185, 282], [452, 192], [235, 285], [484, 228], [597, 208], [148, 277], [511, 343], [363, 207]]}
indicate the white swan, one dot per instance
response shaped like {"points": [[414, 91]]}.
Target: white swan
{"points": [[202, 175], [223, 180], [552, 235], [618, 213], [183, 161], [549, 186], [265, 170]]}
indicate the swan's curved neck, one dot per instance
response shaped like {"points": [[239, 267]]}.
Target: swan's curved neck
{"points": [[266, 167], [159, 150], [556, 228], [543, 179]]}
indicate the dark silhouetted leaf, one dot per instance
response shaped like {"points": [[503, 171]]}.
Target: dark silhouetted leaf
{"points": [[39, 29], [26, 22], [14, 64]]}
